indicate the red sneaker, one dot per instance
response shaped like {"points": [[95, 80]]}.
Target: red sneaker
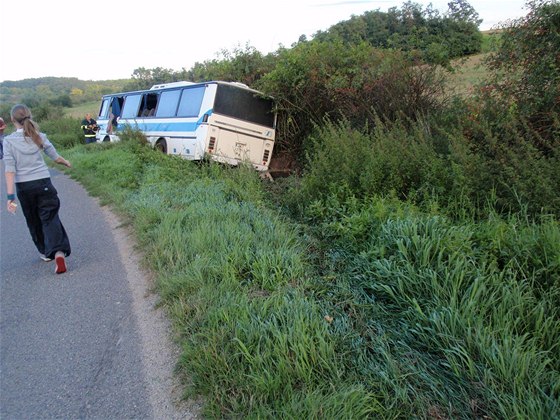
{"points": [[60, 266]]}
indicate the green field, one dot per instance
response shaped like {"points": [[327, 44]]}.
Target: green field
{"points": [[81, 110], [468, 74]]}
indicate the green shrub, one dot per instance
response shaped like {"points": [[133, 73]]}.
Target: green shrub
{"points": [[318, 81], [405, 159], [465, 170], [503, 157], [64, 133]]}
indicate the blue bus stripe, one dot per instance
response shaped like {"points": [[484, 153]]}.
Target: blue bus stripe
{"points": [[155, 124]]}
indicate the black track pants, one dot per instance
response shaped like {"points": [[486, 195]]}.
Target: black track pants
{"points": [[39, 203]]}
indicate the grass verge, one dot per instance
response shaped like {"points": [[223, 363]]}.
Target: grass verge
{"points": [[371, 309]]}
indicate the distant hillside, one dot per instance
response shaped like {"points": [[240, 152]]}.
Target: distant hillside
{"points": [[425, 34], [62, 91]]}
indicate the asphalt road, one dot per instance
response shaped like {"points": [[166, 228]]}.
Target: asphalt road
{"points": [[87, 343]]}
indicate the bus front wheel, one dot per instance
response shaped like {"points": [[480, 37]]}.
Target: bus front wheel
{"points": [[161, 145]]}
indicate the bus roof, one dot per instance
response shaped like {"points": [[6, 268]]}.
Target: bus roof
{"points": [[183, 83], [172, 84]]}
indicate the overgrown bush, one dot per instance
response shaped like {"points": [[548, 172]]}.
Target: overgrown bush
{"points": [[64, 133], [526, 69], [391, 157], [515, 163], [318, 81], [468, 169]]}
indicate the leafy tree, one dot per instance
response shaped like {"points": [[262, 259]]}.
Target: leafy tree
{"points": [[62, 101], [143, 78], [436, 38], [245, 65], [462, 11], [461, 23], [526, 68]]}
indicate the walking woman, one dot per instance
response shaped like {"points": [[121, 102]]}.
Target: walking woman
{"points": [[27, 171]]}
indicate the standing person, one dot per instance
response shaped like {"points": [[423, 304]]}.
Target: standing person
{"points": [[89, 125], [27, 171], [2, 127]]}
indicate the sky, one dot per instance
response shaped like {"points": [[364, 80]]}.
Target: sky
{"points": [[109, 39]]}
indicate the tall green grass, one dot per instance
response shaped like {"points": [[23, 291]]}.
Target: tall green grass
{"points": [[462, 318], [233, 275], [464, 171], [368, 307]]}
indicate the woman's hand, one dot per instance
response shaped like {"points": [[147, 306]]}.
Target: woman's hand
{"points": [[63, 161], [12, 206]]}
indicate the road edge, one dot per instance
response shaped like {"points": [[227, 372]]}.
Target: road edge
{"points": [[159, 353]]}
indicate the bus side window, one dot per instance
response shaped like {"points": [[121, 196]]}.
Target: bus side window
{"points": [[149, 105], [131, 106], [168, 101], [191, 100], [104, 108]]}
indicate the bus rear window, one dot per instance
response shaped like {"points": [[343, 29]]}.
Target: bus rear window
{"points": [[244, 105]]}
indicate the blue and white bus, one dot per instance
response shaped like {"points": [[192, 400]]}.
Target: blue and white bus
{"points": [[227, 121]]}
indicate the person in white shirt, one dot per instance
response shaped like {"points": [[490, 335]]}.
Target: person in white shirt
{"points": [[28, 175]]}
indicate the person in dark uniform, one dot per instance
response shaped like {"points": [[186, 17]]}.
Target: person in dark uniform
{"points": [[89, 125]]}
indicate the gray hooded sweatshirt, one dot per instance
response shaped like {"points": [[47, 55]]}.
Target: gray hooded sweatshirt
{"points": [[23, 157]]}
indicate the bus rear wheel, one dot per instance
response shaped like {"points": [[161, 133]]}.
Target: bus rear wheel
{"points": [[161, 145]]}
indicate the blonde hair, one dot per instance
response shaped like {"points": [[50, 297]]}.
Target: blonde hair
{"points": [[22, 115]]}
